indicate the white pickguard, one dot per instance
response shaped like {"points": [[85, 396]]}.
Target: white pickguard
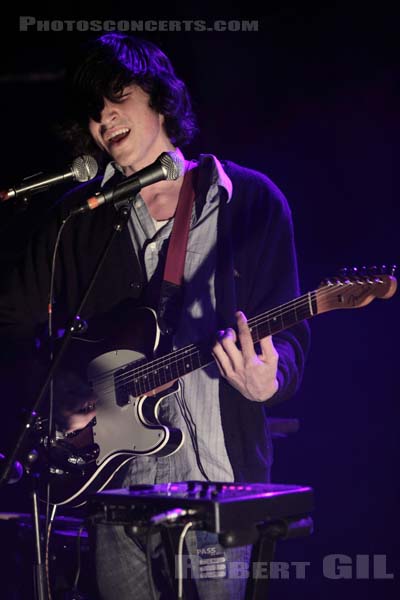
{"points": [[120, 428]]}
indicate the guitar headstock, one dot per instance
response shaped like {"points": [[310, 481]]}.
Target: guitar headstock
{"points": [[356, 287]]}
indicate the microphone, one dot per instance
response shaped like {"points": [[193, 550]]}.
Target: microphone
{"points": [[16, 471], [168, 166], [82, 169]]}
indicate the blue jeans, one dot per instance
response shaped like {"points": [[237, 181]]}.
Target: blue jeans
{"points": [[122, 572]]}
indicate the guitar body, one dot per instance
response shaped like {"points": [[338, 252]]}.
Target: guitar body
{"points": [[125, 426], [129, 384]]}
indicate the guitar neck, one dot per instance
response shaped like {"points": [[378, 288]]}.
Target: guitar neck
{"points": [[348, 293], [285, 316], [178, 363]]}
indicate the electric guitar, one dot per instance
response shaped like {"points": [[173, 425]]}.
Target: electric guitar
{"points": [[129, 384]]}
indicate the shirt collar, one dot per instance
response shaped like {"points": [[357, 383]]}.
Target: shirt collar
{"points": [[218, 176], [110, 171]]}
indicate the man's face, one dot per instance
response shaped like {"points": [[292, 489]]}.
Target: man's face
{"points": [[130, 131]]}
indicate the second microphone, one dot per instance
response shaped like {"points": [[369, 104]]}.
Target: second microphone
{"points": [[168, 166]]}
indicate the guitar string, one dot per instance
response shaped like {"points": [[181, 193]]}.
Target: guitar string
{"points": [[187, 351], [182, 352], [295, 304]]}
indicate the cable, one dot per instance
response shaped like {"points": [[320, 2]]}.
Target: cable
{"points": [[180, 558], [192, 429], [50, 334], [48, 532], [78, 558], [49, 517], [165, 518]]}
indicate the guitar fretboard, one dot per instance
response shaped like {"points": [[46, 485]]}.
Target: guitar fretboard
{"points": [[137, 380]]}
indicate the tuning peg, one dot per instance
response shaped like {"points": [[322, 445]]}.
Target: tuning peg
{"points": [[355, 275], [363, 271], [327, 282], [383, 269], [344, 271], [393, 269], [373, 270]]}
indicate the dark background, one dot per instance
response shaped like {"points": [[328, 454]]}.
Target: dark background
{"points": [[312, 100]]}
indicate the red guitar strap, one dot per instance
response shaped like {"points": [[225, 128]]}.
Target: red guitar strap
{"points": [[175, 262], [170, 303]]}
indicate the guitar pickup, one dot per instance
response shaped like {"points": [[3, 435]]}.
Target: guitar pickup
{"points": [[124, 384]]}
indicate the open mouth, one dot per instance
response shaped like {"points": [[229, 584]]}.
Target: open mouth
{"points": [[117, 136]]}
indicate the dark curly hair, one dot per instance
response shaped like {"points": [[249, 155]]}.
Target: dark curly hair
{"points": [[112, 62]]}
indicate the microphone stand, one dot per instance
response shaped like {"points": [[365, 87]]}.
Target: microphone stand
{"points": [[120, 221]]}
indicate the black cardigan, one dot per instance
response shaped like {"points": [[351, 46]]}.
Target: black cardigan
{"points": [[256, 271]]}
